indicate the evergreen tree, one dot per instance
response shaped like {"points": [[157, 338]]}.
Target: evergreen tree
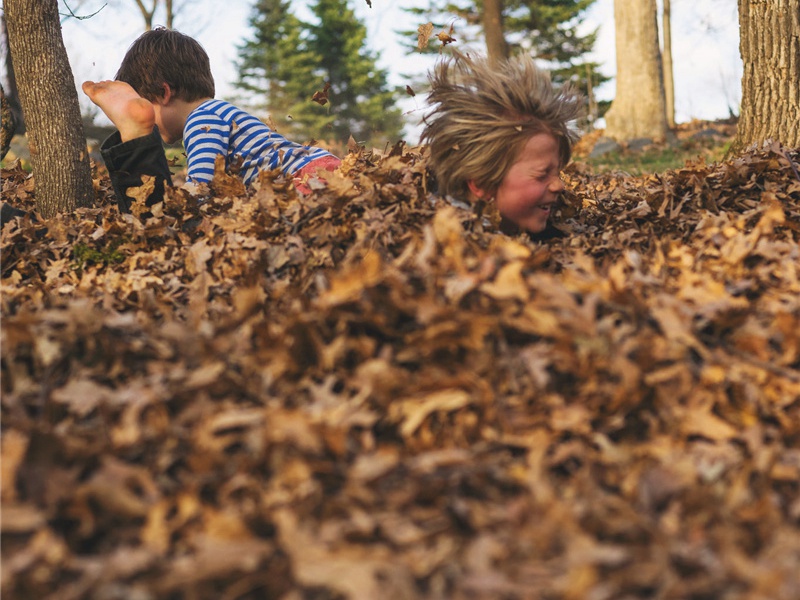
{"points": [[361, 102], [288, 60], [277, 67], [546, 29]]}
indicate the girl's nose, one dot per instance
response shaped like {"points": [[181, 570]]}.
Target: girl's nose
{"points": [[556, 184]]}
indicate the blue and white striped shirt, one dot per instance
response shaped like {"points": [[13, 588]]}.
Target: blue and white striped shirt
{"points": [[218, 127]]}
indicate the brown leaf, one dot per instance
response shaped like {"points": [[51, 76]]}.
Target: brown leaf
{"points": [[321, 96], [424, 33], [14, 446], [413, 411]]}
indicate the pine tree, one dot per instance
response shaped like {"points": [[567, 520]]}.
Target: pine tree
{"points": [[277, 67], [288, 60], [361, 102], [547, 30]]}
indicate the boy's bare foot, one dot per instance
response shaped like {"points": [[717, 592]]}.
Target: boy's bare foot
{"points": [[131, 114]]}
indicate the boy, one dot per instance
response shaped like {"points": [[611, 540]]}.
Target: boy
{"points": [[499, 130], [164, 90]]}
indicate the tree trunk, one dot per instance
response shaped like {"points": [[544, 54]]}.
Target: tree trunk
{"points": [[669, 79], [50, 103], [147, 15], [496, 45], [170, 13], [12, 93], [770, 47], [7, 124], [638, 110], [592, 116]]}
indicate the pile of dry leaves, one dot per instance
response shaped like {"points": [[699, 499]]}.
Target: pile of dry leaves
{"points": [[369, 393]]}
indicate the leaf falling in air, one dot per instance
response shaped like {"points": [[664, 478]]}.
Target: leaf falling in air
{"points": [[321, 96], [446, 37], [424, 33]]}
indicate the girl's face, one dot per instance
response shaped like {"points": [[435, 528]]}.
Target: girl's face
{"points": [[532, 185]]}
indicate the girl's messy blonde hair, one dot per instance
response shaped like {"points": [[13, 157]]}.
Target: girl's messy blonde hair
{"points": [[484, 112]]}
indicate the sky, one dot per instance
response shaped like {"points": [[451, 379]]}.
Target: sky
{"points": [[707, 66]]}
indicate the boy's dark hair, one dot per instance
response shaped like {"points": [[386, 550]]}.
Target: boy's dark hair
{"points": [[167, 56], [484, 112]]}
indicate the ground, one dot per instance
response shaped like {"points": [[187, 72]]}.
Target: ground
{"points": [[369, 393]]}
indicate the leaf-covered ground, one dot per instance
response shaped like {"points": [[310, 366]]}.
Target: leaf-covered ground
{"points": [[368, 393]]}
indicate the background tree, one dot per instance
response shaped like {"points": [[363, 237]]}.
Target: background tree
{"points": [[50, 104], [8, 124], [168, 13], [148, 12], [11, 94], [770, 49], [638, 109], [494, 30], [669, 79], [548, 31], [278, 68], [362, 103], [288, 60]]}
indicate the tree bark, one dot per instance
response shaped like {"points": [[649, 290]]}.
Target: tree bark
{"points": [[496, 45], [638, 110], [669, 79], [770, 47], [7, 124], [170, 13], [147, 15], [12, 93], [49, 101]]}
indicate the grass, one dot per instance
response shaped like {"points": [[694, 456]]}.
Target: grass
{"points": [[655, 159], [660, 158]]}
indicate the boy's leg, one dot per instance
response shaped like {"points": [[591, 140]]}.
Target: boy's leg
{"points": [[128, 161], [8, 212], [135, 149], [326, 163]]}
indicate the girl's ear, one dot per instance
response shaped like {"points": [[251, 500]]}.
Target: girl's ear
{"points": [[476, 191]]}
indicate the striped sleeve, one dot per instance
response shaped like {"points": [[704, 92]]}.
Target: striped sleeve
{"points": [[206, 135]]}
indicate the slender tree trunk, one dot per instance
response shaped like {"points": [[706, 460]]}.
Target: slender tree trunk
{"points": [[170, 13], [496, 45], [7, 125], [147, 15], [669, 79], [638, 110], [12, 93], [50, 103], [592, 116], [770, 47]]}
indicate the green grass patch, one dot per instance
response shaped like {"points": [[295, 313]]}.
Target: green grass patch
{"points": [[657, 159], [83, 255]]}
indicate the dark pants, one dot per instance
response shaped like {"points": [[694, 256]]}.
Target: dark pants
{"points": [[128, 161], [8, 212]]}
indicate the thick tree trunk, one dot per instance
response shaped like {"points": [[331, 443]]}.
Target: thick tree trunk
{"points": [[770, 47], [496, 45], [50, 103], [638, 110], [669, 80]]}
